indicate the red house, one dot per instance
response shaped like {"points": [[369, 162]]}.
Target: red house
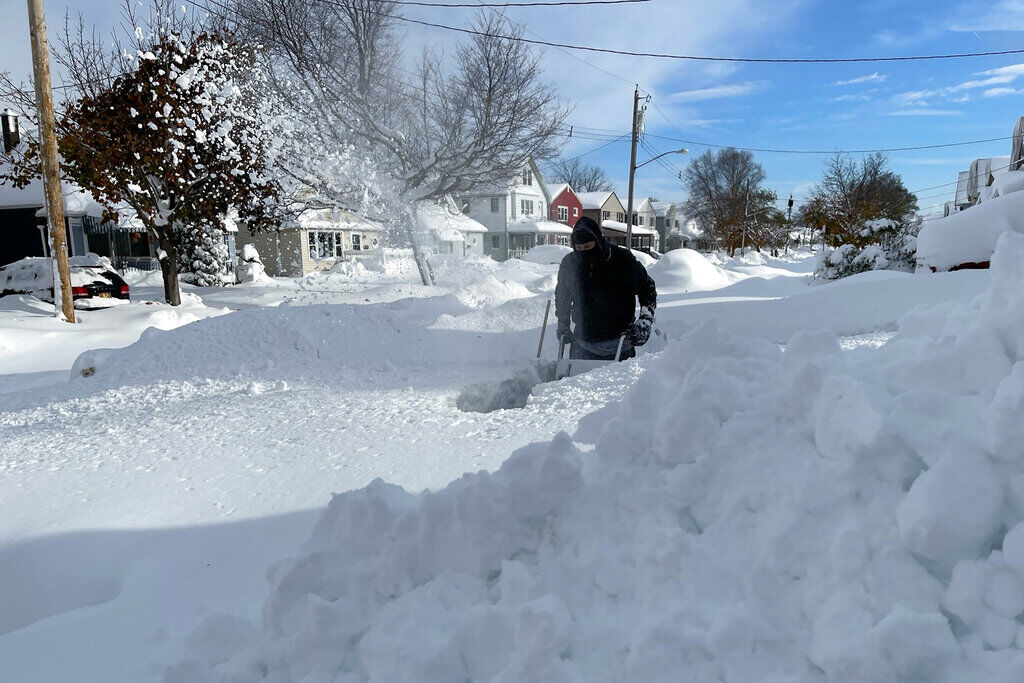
{"points": [[565, 206]]}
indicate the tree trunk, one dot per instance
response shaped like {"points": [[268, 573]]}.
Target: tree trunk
{"points": [[169, 269], [426, 273]]}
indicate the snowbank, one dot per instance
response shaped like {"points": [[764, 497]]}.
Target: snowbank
{"points": [[969, 236], [747, 514], [547, 253], [686, 269]]}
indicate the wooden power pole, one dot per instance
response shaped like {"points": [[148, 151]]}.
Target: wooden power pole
{"points": [[63, 301], [632, 170]]}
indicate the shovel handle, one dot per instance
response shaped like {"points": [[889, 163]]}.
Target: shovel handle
{"points": [[543, 328]]}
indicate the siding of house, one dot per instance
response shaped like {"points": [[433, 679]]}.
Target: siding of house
{"points": [[573, 207]]}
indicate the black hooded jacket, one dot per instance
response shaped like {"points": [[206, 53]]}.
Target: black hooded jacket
{"points": [[598, 290]]}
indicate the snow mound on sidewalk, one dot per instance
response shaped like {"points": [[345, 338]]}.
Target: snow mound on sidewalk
{"points": [[687, 270], [749, 515], [969, 236], [547, 254]]}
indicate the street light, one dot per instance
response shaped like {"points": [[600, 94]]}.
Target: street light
{"points": [[663, 154], [632, 173]]}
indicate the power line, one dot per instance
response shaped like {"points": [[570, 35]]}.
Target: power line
{"points": [[699, 143], [699, 58]]}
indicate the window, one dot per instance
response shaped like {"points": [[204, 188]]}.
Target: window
{"points": [[495, 241], [357, 241], [526, 207], [562, 240], [618, 216], [677, 222], [640, 220], [494, 205], [575, 211], [541, 239], [563, 213], [605, 215], [527, 177], [325, 244]]}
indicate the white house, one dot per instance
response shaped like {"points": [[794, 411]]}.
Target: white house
{"points": [[448, 231], [502, 207], [315, 240]]}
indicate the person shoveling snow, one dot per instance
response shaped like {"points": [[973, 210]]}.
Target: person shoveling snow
{"points": [[599, 285]]}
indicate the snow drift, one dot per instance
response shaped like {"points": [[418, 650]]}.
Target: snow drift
{"points": [[687, 270], [747, 514], [970, 236]]}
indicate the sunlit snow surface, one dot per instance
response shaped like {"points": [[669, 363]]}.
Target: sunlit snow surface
{"points": [[155, 491]]}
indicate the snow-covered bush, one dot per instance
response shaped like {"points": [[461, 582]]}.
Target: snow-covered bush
{"points": [[250, 265], [887, 245], [203, 256]]}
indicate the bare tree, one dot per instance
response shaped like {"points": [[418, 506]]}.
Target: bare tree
{"points": [[728, 199], [583, 177], [377, 138], [853, 195]]}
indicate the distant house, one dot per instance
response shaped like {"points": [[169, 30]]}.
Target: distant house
{"points": [[565, 205], [602, 206], [645, 216], [504, 206], [525, 235], [316, 240], [982, 174], [607, 210], [448, 231]]}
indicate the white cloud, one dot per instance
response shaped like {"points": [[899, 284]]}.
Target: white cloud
{"points": [[924, 111], [870, 78], [1000, 92], [854, 97], [1005, 15], [1000, 76], [716, 92]]}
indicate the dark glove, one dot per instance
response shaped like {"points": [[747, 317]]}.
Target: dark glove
{"points": [[640, 331], [565, 335]]}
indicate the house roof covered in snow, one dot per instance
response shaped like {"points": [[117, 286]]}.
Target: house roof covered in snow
{"points": [[77, 201], [444, 223], [594, 200], [662, 208], [545, 227], [621, 227], [334, 219]]}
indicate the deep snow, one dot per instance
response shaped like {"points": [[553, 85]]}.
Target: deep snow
{"points": [[747, 514], [176, 470]]}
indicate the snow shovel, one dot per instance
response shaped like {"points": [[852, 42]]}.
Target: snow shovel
{"points": [[570, 367]]}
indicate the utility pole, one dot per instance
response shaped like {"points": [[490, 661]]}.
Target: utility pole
{"points": [[632, 169], [63, 302]]}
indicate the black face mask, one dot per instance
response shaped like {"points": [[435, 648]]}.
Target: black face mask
{"points": [[590, 255]]}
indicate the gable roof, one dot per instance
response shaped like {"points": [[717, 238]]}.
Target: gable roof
{"points": [[594, 200]]}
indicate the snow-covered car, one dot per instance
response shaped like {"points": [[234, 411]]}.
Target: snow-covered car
{"points": [[94, 282]]}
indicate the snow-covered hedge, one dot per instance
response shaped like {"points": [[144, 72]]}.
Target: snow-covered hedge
{"points": [[747, 514], [885, 245]]}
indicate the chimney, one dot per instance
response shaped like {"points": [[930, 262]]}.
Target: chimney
{"points": [[12, 134]]}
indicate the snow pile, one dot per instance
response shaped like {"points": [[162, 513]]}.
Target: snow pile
{"points": [[687, 270], [490, 292], [547, 253], [250, 265], [32, 275], [747, 514], [969, 236]]}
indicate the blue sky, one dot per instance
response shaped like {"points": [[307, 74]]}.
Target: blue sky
{"points": [[845, 106]]}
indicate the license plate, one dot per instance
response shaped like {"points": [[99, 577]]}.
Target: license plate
{"points": [[105, 295]]}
